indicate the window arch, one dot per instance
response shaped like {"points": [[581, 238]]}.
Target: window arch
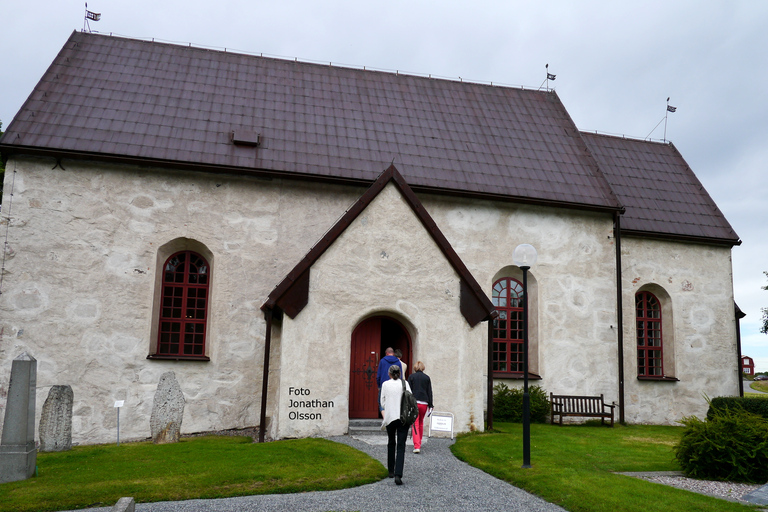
{"points": [[508, 326], [183, 318], [650, 346]]}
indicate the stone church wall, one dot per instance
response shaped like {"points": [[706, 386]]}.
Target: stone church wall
{"points": [[573, 297], [694, 282], [79, 286]]}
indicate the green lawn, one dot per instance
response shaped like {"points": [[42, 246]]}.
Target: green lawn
{"points": [[200, 467], [574, 466]]}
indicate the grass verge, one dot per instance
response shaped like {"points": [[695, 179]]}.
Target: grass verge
{"points": [[760, 385], [575, 466], [200, 467]]}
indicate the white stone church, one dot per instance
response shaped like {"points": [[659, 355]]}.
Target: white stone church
{"points": [[265, 228]]}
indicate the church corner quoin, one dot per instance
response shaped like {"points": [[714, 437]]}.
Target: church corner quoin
{"points": [[136, 248]]}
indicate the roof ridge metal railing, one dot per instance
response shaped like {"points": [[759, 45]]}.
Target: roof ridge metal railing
{"points": [[324, 63]]}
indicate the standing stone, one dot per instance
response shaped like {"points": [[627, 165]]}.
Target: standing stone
{"points": [[56, 420], [167, 410], [18, 454]]}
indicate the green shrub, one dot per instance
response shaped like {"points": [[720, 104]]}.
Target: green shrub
{"points": [[757, 405], [731, 444], [508, 403]]}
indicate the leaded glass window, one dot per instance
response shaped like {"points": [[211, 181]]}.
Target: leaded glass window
{"points": [[508, 326], [184, 306], [650, 361]]}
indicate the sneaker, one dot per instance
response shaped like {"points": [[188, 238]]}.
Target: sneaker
{"points": [[417, 450]]}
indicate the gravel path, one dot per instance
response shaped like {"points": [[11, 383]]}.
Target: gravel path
{"points": [[432, 480], [726, 490]]}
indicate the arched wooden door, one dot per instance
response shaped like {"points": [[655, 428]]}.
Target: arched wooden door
{"points": [[369, 341]]}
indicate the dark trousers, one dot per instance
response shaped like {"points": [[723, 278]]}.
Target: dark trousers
{"points": [[395, 463]]}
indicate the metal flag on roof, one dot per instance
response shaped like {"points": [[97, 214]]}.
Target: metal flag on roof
{"points": [[90, 16]]}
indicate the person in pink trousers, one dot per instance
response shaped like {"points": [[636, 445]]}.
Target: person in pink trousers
{"points": [[421, 387]]}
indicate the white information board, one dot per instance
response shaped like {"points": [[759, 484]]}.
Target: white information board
{"points": [[441, 422]]}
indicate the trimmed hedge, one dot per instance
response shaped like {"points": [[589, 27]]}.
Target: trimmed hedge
{"points": [[508, 403], [758, 406], [730, 445]]}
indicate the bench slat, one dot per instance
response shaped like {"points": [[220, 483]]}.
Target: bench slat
{"points": [[584, 406]]}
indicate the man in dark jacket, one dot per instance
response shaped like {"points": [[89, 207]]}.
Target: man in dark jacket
{"points": [[382, 375]]}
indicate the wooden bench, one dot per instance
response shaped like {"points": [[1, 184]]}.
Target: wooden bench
{"points": [[585, 406]]}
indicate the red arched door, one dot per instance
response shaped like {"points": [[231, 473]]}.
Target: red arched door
{"points": [[369, 341]]}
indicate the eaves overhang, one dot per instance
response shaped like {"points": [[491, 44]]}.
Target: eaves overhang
{"points": [[673, 237], [7, 150]]}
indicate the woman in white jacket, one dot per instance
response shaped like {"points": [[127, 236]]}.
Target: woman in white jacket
{"points": [[391, 394]]}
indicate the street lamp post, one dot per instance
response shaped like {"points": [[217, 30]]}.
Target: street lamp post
{"points": [[524, 257]]}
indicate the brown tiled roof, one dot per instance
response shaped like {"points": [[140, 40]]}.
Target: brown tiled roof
{"points": [[144, 100], [121, 99], [661, 194]]}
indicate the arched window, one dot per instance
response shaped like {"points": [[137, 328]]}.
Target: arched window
{"points": [[184, 305], [508, 326], [650, 360]]}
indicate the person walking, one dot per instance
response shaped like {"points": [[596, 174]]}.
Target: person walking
{"points": [[397, 432], [382, 374], [421, 387], [403, 366]]}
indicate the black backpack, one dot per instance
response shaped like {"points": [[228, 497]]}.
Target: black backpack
{"points": [[409, 410]]}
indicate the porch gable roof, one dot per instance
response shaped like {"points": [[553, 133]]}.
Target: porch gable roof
{"points": [[292, 293]]}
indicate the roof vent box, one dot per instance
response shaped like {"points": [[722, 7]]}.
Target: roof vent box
{"points": [[245, 138]]}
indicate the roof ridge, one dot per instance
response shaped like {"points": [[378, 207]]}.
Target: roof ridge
{"points": [[298, 60]]}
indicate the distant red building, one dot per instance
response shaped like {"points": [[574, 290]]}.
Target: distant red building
{"points": [[747, 365]]}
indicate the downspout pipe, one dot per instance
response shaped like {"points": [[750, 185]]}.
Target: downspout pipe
{"points": [[268, 315], [739, 314], [490, 374], [620, 311]]}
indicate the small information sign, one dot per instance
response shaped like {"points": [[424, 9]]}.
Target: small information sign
{"points": [[119, 403], [441, 422]]}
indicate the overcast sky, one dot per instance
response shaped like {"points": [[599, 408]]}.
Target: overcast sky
{"points": [[616, 65]]}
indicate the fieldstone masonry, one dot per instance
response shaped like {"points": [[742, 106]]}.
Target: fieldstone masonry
{"points": [[56, 420], [167, 410], [18, 453]]}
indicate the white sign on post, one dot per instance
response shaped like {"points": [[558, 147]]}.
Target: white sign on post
{"points": [[441, 422]]}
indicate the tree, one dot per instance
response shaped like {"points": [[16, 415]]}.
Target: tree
{"points": [[2, 168], [764, 328]]}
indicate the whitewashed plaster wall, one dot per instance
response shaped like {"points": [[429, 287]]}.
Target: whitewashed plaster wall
{"points": [[702, 332], [575, 278], [79, 283], [386, 263]]}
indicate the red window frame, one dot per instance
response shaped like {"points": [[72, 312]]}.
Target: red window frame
{"points": [[184, 306], [650, 345], [508, 326]]}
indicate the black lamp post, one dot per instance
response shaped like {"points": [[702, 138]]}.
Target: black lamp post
{"points": [[524, 257]]}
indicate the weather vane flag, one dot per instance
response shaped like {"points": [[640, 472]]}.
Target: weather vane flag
{"points": [[90, 16], [670, 108], [550, 76]]}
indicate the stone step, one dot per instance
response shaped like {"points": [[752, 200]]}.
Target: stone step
{"points": [[366, 427]]}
